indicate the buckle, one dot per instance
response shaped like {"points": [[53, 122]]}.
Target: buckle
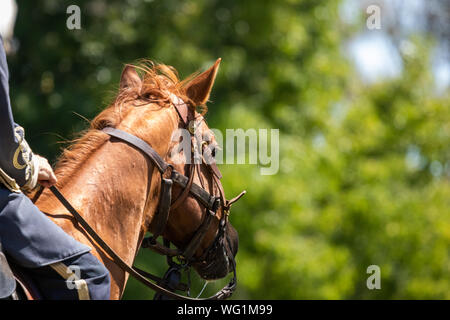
{"points": [[168, 172]]}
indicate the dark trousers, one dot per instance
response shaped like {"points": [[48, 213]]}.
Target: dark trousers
{"points": [[61, 267]]}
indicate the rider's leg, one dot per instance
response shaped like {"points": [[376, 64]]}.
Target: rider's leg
{"points": [[82, 277], [33, 241]]}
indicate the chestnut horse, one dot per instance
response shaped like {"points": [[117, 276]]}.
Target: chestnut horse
{"points": [[114, 186]]}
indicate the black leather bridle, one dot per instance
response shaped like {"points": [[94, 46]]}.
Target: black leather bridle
{"points": [[166, 286]]}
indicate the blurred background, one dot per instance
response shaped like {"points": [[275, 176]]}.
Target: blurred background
{"points": [[363, 114]]}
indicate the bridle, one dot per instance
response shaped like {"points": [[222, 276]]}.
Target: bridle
{"points": [[166, 286]]}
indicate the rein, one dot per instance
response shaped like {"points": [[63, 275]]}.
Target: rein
{"points": [[138, 274], [170, 176]]}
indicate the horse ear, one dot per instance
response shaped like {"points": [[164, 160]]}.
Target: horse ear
{"points": [[130, 78], [199, 88]]}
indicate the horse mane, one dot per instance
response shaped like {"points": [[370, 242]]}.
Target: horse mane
{"points": [[158, 81]]}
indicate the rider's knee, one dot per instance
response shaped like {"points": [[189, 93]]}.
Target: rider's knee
{"points": [[97, 277], [90, 277], [99, 286]]}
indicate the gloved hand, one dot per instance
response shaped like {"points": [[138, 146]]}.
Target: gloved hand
{"points": [[46, 176]]}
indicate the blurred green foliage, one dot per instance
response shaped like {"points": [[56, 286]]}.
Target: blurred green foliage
{"points": [[364, 169]]}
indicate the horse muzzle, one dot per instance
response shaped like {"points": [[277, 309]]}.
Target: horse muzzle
{"points": [[219, 259]]}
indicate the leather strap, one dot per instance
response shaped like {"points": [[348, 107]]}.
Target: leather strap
{"points": [[163, 208], [211, 162], [189, 251], [152, 244], [208, 200], [181, 107], [183, 195], [140, 144]]}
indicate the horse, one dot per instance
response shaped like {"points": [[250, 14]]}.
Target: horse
{"points": [[117, 188]]}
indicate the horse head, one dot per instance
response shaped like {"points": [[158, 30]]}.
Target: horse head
{"points": [[162, 100], [124, 191]]}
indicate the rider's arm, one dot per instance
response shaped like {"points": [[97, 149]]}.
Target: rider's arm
{"points": [[18, 166]]}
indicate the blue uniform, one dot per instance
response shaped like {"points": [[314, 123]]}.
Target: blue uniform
{"points": [[62, 267]]}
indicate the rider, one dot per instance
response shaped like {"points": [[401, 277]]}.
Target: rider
{"points": [[61, 267]]}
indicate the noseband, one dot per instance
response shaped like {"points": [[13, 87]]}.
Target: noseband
{"points": [[169, 176]]}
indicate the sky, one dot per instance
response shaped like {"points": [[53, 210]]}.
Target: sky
{"points": [[374, 52]]}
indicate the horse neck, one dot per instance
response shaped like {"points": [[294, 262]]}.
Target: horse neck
{"points": [[113, 191], [110, 193]]}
